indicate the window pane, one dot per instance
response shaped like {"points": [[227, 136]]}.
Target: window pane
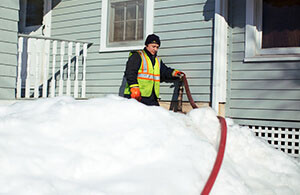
{"points": [[141, 11], [118, 31], [127, 20], [131, 12], [140, 30], [34, 12], [281, 24], [130, 30], [119, 13]]}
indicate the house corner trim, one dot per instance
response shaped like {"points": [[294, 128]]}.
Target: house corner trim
{"points": [[219, 80]]}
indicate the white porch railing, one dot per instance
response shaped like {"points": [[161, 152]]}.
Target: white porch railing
{"points": [[46, 69]]}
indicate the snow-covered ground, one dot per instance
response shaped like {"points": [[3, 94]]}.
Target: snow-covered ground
{"points": [[116, 146]]}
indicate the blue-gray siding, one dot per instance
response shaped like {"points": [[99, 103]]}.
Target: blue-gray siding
{"points": [[8, 48], [185, 28], [265, 93]]}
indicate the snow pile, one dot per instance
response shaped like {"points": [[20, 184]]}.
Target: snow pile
{"points": [[116, 146]]}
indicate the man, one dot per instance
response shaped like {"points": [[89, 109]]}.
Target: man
{"points": [[144, 72]]}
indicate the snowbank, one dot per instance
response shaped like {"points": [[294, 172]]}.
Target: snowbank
{"points": [[116, 146]]}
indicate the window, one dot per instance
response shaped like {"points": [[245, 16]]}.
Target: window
{"points": [[280, 25], [272, 30], [127, 21], [125, 24]]}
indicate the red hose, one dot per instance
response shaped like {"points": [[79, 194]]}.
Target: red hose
{"points": [[218, 162], [188, 92], [214, 173]]}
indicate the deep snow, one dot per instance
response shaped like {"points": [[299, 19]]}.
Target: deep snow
{"points": [[116, 146]]}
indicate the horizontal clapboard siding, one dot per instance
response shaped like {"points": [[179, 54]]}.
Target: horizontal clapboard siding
{"points": [[185, 28], [262, 93], [9, 17]]}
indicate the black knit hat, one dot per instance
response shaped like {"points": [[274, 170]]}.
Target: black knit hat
{"points": [[152, 39]]}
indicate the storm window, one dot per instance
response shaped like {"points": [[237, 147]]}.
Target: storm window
{"points": [[280, 23], [272, 30], [125, 24], [126, 21]]}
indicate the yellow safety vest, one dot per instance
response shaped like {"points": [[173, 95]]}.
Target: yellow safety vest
{"points": [[147, 76]]}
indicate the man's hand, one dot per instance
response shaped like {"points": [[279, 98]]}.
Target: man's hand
{"points": [[177, 73], [135, 93]]}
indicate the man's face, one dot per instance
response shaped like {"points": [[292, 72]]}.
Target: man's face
{"points": [[152, 48]]}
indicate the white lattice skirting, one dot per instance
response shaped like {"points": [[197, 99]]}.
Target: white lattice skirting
{"points": [[285, 139]]}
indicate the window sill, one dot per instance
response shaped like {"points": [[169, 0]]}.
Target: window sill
{"points": [[272, 58], [115, 49]]}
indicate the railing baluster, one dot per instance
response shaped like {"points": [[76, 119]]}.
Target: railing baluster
{"points": [[37, 64], [19, 80], [76, 70], [46, 67], [29, 49], [61, 81], [54, 52], [34, 55], [70, 51], [83, 82]]}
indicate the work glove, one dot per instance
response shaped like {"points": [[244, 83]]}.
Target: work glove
{"points": [[135, 93], [177, 73]]}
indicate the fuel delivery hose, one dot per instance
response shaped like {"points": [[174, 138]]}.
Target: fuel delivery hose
{"points": [[218, 162]]}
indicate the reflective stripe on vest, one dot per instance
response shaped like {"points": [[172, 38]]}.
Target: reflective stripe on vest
{"points": [[144, 67], [149, 77]]}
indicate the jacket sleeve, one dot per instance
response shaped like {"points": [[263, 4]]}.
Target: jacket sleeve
{"points": [[165, 72], [132, 67]]}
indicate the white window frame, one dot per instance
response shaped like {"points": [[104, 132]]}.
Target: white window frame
{"points": [[253, 38], [148, 28]]}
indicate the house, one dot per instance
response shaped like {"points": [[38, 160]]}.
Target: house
{"points": [[241, 57]]}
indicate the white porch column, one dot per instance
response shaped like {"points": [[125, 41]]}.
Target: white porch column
{"points": [[220, 54]]}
